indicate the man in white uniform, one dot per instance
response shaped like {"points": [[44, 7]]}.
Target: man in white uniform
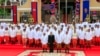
{"points": [[6, 35]]}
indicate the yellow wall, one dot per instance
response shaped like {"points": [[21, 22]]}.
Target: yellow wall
{"points": [[94, 5], [26, 5]]}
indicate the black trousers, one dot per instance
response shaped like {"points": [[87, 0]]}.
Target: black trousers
{"points": [[51, 47]]}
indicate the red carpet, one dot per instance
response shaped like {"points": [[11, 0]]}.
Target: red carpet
{"points": [[15, 50], [10, 50], [94, 51]]}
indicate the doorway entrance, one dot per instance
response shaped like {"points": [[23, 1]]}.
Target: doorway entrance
{"points": [[64, 10]]}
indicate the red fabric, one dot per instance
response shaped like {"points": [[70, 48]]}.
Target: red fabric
{"points": [[6, 39], [14, 9], [44, 46], [1, 39], [34, 11], [19, 38], [74, 42], [37, 41], [30, 41], [53, 1], [93, 40], [13, 39], [81, 42], [24, 41], [97, 39], [65, 18]]}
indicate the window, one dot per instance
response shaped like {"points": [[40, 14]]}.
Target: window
{"points": [[5, 13], [23, 2]]}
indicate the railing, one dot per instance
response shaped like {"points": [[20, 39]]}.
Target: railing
{"points": [[5, 16]]}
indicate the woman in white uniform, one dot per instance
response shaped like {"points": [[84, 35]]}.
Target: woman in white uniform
{"points": [[6, 36], [19, 35], [44, 41], [1, 34], [13, 35], [24, 37], [88, 38], [58, 39]]}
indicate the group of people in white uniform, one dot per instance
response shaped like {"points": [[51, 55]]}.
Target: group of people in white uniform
{"points": [[82, 34]]}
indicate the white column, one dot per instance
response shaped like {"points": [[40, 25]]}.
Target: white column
{"points": [[81, 10], [59, 9], [66, 8], [5, 3], [20, 2]]}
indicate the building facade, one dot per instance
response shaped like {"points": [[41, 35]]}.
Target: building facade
{"points": [[25, 7]]}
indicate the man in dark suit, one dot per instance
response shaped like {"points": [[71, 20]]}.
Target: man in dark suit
{"points": [[51, 42]]}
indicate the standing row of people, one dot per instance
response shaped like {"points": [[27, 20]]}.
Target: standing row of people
{"points": [[82, 34]]}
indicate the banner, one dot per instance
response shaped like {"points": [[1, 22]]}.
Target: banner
{"points": [[52, 1], [46, 6], [86, 9], [34, 11], [14, 9], [77, 8], [52, 7]]}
